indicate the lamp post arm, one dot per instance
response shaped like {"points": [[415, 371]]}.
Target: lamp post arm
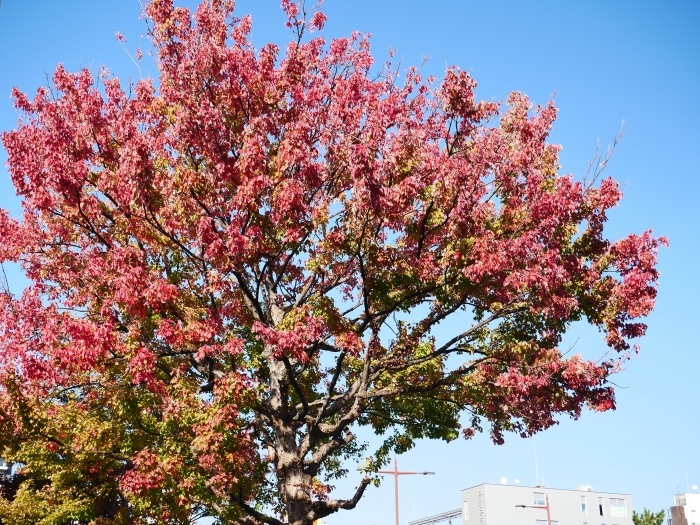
{"points": [[396, 473], [545, 507], [401, 472]]}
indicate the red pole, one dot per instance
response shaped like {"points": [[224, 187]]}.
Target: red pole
{"points": [[396, 473], [396, 488], [545, 506]]}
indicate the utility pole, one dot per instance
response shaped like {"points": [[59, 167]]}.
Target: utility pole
{"points": [[545, 506], [396, 473]]}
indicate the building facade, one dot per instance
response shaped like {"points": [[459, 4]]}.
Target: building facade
{"points": [[490, 504], [686, 510]]}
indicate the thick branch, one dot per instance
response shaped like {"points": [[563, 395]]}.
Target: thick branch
{"points": [[331, 387], [255, 517], [447, 347], [297, 389], [328, 507], [444, 380]]}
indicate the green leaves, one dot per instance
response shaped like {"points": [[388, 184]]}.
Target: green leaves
{"points": [[646, 517]]}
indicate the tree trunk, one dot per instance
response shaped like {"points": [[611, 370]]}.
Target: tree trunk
{"points": [[293, 483], [297, 494]]}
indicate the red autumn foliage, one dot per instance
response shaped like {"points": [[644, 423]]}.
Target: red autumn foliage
{"points": [[234, 266]]}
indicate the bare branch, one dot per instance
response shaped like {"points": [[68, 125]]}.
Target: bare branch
{"points": [[599, 161]]}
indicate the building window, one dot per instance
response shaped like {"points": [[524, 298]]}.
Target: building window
{"points": [[601, 509], [584, 509], [617, 508], [465, 511], [538, 498]]}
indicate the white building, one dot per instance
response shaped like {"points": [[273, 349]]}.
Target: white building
{"points": [[686, 510], [521, 505], [5, 468]]}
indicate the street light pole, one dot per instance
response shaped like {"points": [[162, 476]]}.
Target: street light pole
{"points": [[545, 506], [396, 473]]}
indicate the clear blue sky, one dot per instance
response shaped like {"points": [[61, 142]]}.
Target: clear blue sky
{"points": [[637, 61]]}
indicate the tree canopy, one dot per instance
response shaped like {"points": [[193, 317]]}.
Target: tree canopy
{"points": [[646, 517], [234, 266]]}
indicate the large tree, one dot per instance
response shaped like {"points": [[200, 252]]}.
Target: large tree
{"points": [[234, 266]]}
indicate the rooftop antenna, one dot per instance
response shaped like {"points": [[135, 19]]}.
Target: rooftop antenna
{"points": [[534, 446], [686, 468]]}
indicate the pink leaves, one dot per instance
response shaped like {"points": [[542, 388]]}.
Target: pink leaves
{"points": [[318, 20], [160, 292], [242, 161], [48, 347], [294, 342], [634, 294], [10, 247], [457, 94], [147, 474], [240, 31], [637, 252], [142, 368], [525, 396], [290, 8], [21, 101]]}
